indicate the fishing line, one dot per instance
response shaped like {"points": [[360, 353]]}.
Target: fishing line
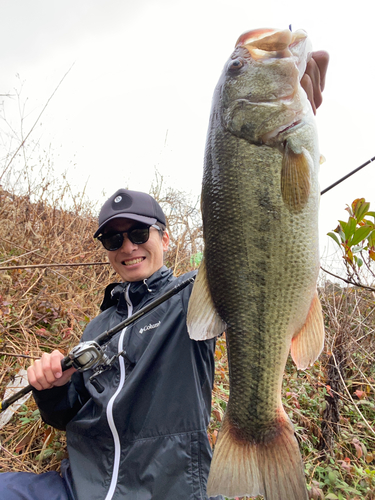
{"points": [[346, 176]]}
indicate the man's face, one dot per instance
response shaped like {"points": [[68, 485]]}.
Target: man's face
{"points": [[136, 262]]}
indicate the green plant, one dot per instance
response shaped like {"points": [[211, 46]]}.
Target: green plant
{"points": [[356, 237]]}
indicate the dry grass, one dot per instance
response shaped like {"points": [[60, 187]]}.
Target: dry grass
{"points": [[42, 309]]}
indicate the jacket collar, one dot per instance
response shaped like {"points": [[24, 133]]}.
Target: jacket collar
{"points": [[139, 291]]}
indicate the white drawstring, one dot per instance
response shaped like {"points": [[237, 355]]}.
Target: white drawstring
{"points": [[144, 282]]}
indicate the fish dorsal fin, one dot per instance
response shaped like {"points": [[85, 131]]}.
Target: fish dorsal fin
{"points": [[203, 322], [308, 343], [295, 178]]}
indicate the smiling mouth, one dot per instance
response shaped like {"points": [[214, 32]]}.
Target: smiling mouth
{"points": [[133, 261]]}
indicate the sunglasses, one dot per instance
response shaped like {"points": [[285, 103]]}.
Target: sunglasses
{"points": [[137, 235]]}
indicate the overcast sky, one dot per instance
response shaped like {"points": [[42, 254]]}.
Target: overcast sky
{"points": [[138, 94]]}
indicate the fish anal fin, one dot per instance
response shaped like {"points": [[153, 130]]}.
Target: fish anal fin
{"points": [[272, 468], [308, 343], [295, 178], [203, 322]]}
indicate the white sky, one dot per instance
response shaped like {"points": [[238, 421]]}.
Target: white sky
{"points": [[139, 93]]}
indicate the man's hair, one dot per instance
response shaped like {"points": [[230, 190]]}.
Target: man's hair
{"points": [[162, 227]]}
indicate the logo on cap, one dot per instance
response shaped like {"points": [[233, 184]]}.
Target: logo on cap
{"points": [[117, 199]]}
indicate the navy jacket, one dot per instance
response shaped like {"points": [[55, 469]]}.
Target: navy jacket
{"points": [[144, 437]]}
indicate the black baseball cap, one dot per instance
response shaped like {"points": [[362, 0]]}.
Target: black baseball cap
{"points": [[134, 205]]}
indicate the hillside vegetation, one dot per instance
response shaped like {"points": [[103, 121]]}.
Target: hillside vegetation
{"points": [[44, 308]]}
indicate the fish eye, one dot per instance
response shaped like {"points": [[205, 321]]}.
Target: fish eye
{"points": [[236, 64]]}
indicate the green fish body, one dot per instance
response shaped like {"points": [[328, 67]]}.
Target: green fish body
{"points": [[257, 281]]}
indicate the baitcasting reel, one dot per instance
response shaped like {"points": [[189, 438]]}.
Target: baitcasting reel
{"points": [[91, 356]]}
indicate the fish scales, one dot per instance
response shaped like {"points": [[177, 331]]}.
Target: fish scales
{"points": [[260, 197], [245, 242]]}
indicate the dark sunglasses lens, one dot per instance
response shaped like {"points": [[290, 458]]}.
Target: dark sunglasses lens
{"points": [[112, 242], [139, 235]]}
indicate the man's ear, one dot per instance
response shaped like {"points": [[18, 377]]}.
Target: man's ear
{"points": [[165, 241]]}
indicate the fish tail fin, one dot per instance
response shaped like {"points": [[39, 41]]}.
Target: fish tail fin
{"points": [[272, 468]]}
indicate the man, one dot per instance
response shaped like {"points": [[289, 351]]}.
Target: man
{"points": [[140, 432], [150, 419]]}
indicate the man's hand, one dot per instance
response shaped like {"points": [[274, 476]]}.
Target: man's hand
{"points": [[46, 372], [313, 80]]}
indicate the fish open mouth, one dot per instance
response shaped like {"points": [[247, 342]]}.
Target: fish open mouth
{"points": [[280, 130], [292, 125]]}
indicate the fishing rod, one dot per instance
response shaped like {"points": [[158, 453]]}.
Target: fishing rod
{"points": [[91, 354], [346, 176]]}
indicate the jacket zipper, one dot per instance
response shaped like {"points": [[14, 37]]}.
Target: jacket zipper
{"points": [[109, 410]]}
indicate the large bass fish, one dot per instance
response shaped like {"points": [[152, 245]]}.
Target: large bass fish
{"points": [[257, 281]]}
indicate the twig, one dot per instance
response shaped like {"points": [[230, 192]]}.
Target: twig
{"points": [[35, 123], [364, 376], [18, 355], [33, 266], [13, 457], [20, 256], [347, 281], [50, 265], [351, 399], [37, 321], [32, 286]]}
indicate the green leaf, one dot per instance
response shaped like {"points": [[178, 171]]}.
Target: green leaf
{"points": [[360, 235], [343, 225], [331, 496], [350, 228], [357, 249], [332, 476], [358, 261], [371, 239], [196, 259], [334, 237], [361, 209], [352, 490], [44, 454]]}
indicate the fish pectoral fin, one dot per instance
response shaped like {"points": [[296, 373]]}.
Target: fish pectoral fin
{"points": [[308, 343], [295, 178], [270, 467], [203, 322]]}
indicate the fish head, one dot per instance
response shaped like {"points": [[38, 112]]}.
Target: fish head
{"points": [[266, 44], [259, 96]]}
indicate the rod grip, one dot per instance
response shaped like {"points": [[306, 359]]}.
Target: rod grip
{"points": [[65, 364]]}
